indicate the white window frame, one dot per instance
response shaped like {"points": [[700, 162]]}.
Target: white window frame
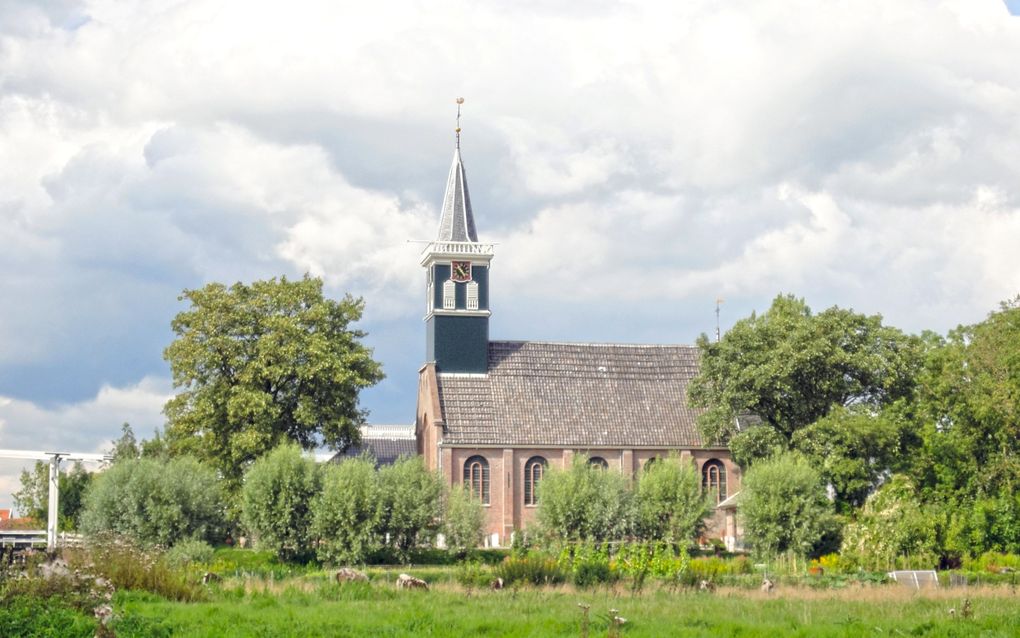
{"points": [[472, 295]]}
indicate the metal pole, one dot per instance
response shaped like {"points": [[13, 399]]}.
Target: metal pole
{"points": [[54, 509]]}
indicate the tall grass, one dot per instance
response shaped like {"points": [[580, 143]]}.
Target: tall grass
{"points": [[128, 565], [360, 609]]}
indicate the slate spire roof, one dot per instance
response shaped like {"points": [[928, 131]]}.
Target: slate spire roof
{"points": [[457, 223]]}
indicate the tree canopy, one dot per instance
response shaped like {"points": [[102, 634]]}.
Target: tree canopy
{"points": [[790, 367], [265, 363]]}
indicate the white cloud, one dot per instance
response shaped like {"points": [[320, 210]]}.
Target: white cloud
{"points": [[657, 153], [87, 426]]}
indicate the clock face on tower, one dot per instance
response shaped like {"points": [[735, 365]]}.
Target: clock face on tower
{"points": [[460, 271]]}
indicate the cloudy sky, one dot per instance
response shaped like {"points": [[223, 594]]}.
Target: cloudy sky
{"points": [[633, 160]]}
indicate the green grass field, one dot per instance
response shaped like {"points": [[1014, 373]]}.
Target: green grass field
{"points": [[302, 608]]}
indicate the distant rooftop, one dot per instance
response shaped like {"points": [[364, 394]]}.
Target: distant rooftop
{"points": [[386, 443]]}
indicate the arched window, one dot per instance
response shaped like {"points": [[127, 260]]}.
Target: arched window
{"points": [[599, 462], [476, 477], [472, 295], [534, 469], [713, 479]]}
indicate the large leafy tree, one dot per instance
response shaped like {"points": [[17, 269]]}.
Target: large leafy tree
{"points": [[790, 367], [265, 363], [854, 449], [969, 409]]}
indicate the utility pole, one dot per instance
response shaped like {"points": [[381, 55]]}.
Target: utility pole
{"points": [[54, 459]]}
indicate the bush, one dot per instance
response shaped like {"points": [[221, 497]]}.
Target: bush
{"points": [[534, 568], [347, 512], [891, 526], [993, 563], [471, 573], [276, 501], [784, 506], [985, 524], [584, 502], [587, 564], [155, 502], [712, 567], [410, 506], [128, 565], [463, 520], [671, 505], [191, 551]]}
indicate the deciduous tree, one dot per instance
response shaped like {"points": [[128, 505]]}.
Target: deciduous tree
{"points": [[853, 449], [32, 500], [790, 367], [265, 363], [463, 520], [410, 507]]}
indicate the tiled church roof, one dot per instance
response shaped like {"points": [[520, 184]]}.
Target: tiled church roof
{"points": [[575, 395]]}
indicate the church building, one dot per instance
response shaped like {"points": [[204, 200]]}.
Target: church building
{"points": [[496, 415]]}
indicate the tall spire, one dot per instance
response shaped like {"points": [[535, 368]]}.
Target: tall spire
{"points": [[457, 223]]}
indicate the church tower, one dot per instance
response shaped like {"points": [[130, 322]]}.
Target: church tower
{"points": [[457, 282]]}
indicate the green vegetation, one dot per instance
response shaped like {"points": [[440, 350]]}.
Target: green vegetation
{"points": [[256, 595], [862, 402], [347, 512], [791, 367], [32, 500], [671, 506], [784, 507], [261, 364], [584, 502], [410, 508], [155, 502], [892, 524], [377, 609], [463, 520], [276, 501]]}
